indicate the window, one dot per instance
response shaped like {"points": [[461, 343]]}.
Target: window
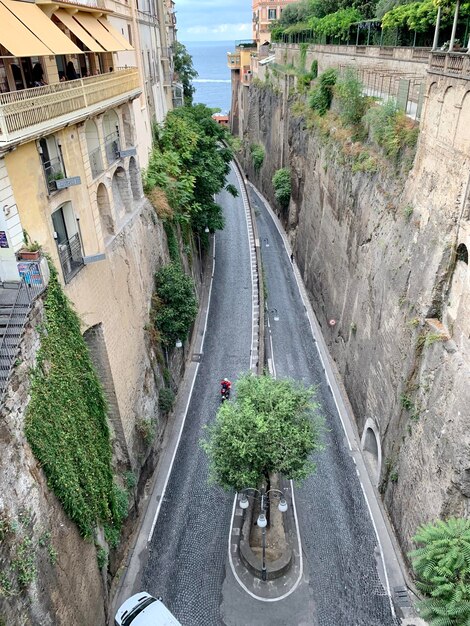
{"points": [[68, 242], [129, 33], [272, 14], [51, 161], [111, 136]]}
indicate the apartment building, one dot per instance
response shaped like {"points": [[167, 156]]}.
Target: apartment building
{"points": [[80, 85], [265, 12]]}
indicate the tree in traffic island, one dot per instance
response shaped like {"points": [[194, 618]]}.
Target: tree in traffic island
{"points": [[442, 566], [272, 426]]}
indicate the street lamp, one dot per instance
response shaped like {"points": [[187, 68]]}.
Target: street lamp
{"points": [[206, 230], [179, 343], [262, 521]]}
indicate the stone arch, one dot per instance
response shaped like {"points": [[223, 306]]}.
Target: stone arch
{"points": [[448, 117], [462, 136], [104, 208], [458, 297], [136, 182], [94, 148], [121, 192], [128, 126], [372, 449], [110, 122], [462, 253]]}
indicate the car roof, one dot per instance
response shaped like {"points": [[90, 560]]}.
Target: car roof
{"points": [[155, 614]]}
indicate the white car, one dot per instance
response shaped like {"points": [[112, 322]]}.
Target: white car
{"points": [[144, 610]]}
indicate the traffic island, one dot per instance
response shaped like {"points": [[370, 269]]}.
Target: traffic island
{"points": [[278, 549]]}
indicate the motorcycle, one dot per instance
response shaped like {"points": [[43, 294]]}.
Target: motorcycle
{"points": [[224, 394]]}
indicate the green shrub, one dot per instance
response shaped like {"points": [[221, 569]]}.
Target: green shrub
{"points": [[442, 566], [257, 156], [314, 69], [352, 104], [391, 129], [282, 187], [322, 94], [364, 162], [176, 304], [166, 398]]}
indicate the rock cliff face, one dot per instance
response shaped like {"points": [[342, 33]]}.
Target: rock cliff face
{"points": [[381, 254]]}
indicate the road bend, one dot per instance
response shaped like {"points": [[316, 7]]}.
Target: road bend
{"points": [[338, 538], [188, 549]]}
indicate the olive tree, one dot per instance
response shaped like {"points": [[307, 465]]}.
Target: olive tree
{"points": [[271, 426]]}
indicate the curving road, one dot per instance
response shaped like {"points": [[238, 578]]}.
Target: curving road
{"points": [[187, 562], [188, 551], [337, 533]]}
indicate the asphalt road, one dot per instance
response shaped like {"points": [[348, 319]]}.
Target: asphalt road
{"points": [[188, 551], [337, 533], [187, 562]]}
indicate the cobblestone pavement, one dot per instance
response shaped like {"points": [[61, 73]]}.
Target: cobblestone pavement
{"points": [[188, 552], [339, 542]]}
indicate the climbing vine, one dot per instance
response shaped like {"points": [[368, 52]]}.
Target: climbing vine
{"points": [[66, 422]]}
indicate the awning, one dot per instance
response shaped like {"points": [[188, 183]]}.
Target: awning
{"points": [[116, 34], [42, 27], [98, 31], [17, 39], [78, 31]]}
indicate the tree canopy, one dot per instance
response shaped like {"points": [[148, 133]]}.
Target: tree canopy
{"points": [[190, 163], [183, 63], [442, 566], [271, 426]]}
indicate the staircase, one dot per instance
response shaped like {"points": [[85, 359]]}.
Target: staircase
{"points": [[16, 299]]}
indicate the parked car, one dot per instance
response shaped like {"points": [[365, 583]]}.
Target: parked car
{"points": [[142, 609]]}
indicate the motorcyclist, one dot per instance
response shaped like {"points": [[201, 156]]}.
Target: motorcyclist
{"points": [[226, 386]]}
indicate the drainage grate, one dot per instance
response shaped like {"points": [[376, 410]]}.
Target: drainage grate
{"points": [[401, 596], [197, 356]]}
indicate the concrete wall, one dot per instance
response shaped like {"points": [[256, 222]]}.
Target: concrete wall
{"points": [[381, 273]]}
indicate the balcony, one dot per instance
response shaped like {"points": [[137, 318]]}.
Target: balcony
{"points": [[71, 257], [26, 114], [53, 171], [455, 64], [233, 60]]}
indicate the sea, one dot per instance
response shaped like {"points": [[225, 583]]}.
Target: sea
{"points": [[213, 83]]}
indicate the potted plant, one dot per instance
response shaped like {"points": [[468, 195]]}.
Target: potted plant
{"points": [[31, 251]]}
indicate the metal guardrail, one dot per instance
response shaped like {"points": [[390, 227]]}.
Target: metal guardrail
{"points": [[71, 257], [30, 287], [53, 170]]}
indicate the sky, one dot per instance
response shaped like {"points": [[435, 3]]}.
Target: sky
{"points": [[213, 20]]}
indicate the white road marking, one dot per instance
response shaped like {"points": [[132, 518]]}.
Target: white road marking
{"points": [[305, 301], [252, 365], [157, 512]]}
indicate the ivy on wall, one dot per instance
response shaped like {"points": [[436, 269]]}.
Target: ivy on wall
{"points": [[66, 421]]}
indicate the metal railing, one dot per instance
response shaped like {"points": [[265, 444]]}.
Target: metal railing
{"points": [[406, 89], [71, 257], [96, 162], [30, 107], [112, 147], [53, 170], [30, 287]]}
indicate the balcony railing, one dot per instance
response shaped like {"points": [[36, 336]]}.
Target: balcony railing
{"points": [[53, 170], [30, 110], [112, 147], [71, 257], [450, 63]]}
